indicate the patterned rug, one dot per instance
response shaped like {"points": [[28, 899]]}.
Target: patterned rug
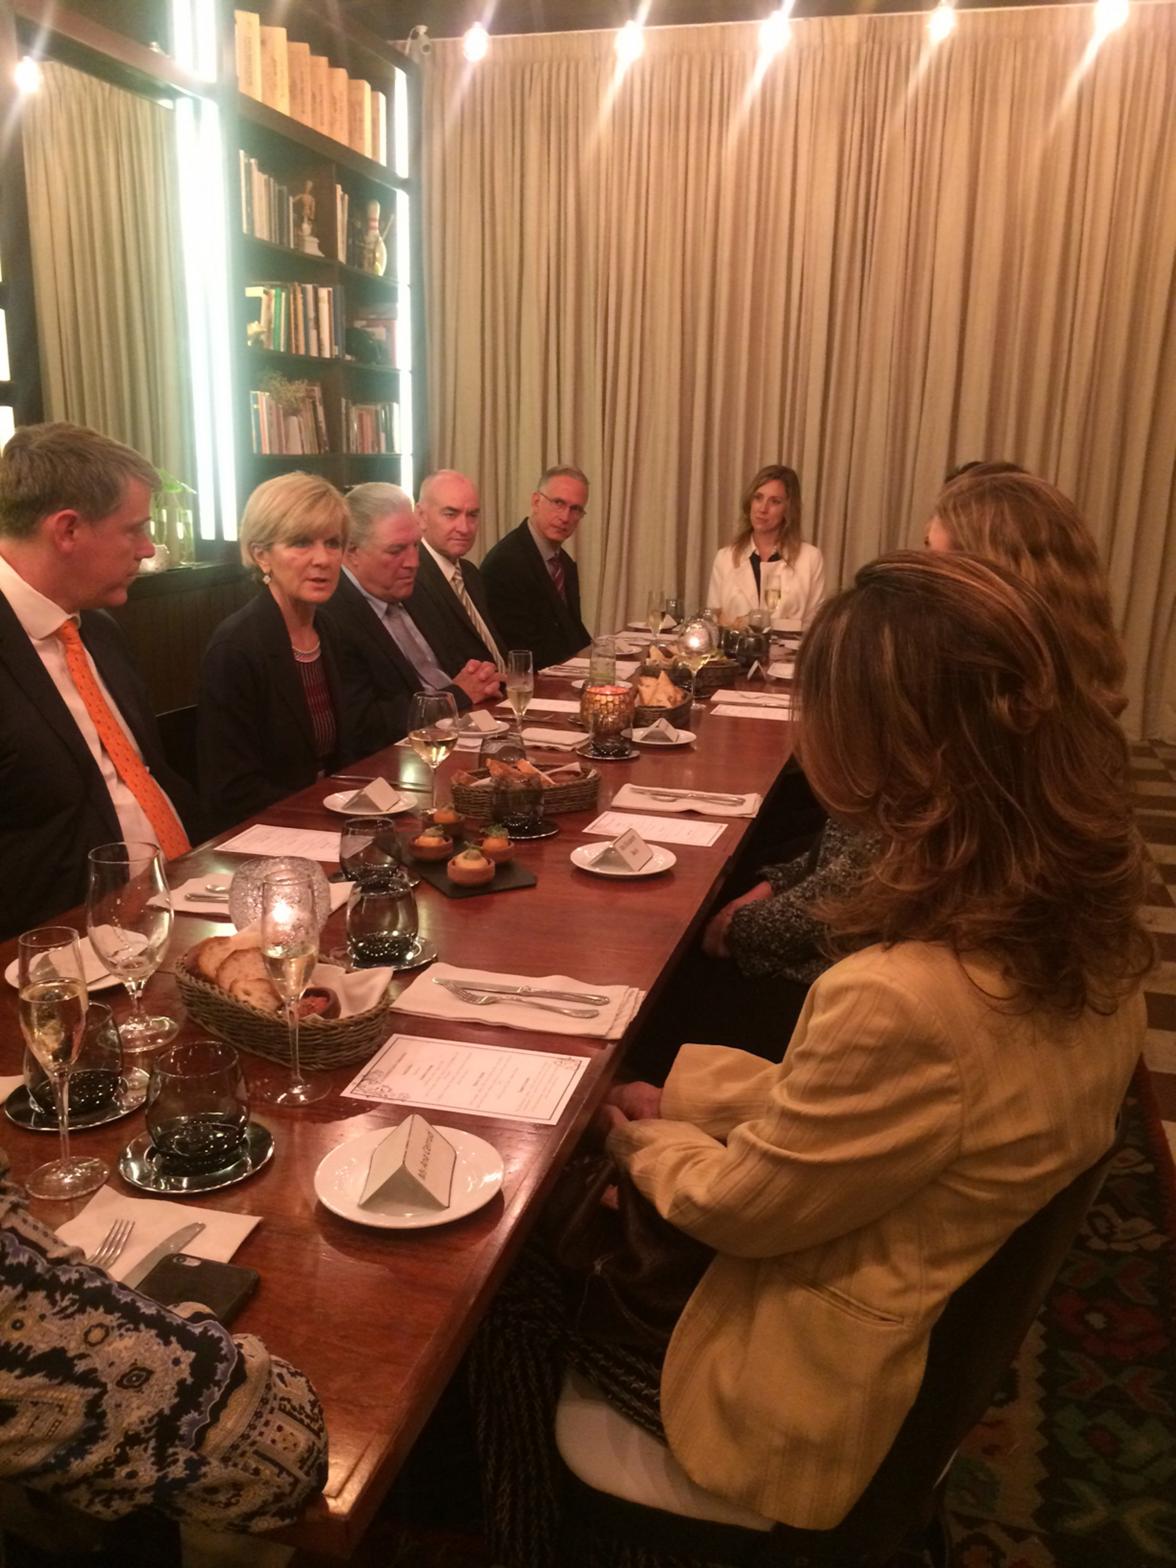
{"points": [[1074, 1466]]}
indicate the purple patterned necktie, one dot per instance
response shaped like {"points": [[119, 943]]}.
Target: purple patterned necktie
{"points": [[556, 567]]}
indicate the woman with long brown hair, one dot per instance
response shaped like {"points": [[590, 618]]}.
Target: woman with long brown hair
{"points": [[944, 1081], [1029, 526], [768, 563]]}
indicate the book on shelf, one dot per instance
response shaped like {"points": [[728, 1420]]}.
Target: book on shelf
{"points": [[359, 116], [371, 427], [291, 425], [342, 219], [337, 104], [299, 73], [247, 37], [294, 318], [320, 92], [275, 69], [270, 211], [283, 73]]}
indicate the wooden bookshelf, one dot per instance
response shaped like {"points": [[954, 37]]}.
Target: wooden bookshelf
{"points": [[292, 154]]}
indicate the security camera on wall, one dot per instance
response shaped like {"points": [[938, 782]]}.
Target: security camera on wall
{"points": [[420, 45]]}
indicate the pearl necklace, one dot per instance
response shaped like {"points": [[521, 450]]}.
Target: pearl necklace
{"points": [[307, 655]]}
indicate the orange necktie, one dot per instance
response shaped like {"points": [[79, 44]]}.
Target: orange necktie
{"points": [[130, 767]]}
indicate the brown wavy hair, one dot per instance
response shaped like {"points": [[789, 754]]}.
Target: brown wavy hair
{"points": [[788, 540], [941, 710], [1032, 528]]}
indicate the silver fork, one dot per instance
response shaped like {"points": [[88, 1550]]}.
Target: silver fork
{"points": [[483, 999], [110, 1248]]}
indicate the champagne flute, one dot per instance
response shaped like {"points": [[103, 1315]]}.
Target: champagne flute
{"points": [[696, 645], [53, 1003], [654, 610], [289, 945], [433, 731], [520, 680], [129, 918]]}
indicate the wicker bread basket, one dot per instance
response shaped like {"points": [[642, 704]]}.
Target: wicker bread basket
{"points": [[643, 716], [716, 672], [322, 1042], [578, 794]]}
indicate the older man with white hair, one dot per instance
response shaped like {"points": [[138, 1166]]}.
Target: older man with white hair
{"points": [[449, 602], [384, 656]]}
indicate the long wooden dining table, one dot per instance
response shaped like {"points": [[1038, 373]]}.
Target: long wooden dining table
{"points": [[379, 1319]]}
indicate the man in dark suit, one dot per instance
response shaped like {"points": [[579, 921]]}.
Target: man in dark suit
{"points": [[81, 762], [449, 601], [383, 655], [531, 581]]}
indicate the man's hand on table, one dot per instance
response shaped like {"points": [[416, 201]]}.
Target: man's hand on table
{"points": [[479, 680]]}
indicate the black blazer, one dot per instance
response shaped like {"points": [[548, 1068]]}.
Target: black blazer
{"points": [[54, 804], [528, 613], [254, 733], [377, 680], [447, 627]]}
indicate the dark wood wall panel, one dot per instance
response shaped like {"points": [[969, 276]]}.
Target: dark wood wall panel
{"points": [[169, 619]]}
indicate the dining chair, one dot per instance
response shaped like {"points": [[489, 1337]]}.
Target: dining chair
{"points": [[624, 1487]]}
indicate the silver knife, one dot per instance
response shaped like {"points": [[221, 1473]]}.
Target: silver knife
{"points": [[521, 990], [690, 794], [176, 1242]]}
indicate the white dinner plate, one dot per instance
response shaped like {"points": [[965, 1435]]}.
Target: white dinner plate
{"points": [[584, 854], [336, 802], [685, 738], [499, 727], [97, 978], [339, 1180]]}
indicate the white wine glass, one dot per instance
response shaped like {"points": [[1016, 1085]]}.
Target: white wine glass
{"points": [[433, 731], [129, 919], [697, 642], [520, 680], [290, 945], [53, 1002]]}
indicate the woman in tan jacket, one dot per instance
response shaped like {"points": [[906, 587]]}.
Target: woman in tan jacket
{"points": [[943, 1082]]}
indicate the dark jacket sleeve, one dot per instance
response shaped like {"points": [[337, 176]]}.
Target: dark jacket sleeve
{"points": [[234, 781]]}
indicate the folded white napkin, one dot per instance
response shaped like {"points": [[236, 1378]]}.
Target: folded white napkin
{"points": [[749, 710], [635, 798], [782, 669], [425, 999], [568, 668], [155, 1220], [192, 897], [558, 740], [550, 705], [661, 731], [752, 699], [357, 989]]}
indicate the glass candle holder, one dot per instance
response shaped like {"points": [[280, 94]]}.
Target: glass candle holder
{"points": [[607, 712]]}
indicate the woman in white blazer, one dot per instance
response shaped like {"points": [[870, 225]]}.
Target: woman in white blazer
{"points": [[768, 565]]}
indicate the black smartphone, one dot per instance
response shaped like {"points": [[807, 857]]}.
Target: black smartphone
{"points": [[221, 1287]]}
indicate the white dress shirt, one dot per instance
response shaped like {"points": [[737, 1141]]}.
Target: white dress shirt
{"points": [[40, 618]]}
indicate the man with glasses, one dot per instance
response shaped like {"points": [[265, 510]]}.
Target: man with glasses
{"points": [[532, 582]]}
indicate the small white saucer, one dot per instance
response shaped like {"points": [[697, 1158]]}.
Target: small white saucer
{"points": [[97, 978], [339, 1180], [337, 802], [584, 855], [685, 738]]}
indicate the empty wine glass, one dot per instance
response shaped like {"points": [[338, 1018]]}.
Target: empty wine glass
{"points": [[673, 609], [53, 999], [129, 918], [520, 680], [433, 731], [289, 944], [197, 1105]]}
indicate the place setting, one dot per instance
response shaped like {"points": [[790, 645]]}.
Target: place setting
{"points": [[710, 803], [559, 1004], [374, 798], [627, 855]]}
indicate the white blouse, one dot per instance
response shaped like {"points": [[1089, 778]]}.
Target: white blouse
{"points": [[802, 585]]}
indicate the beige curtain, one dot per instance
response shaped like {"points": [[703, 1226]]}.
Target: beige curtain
{"points": [[107, 266], [882, 260]]}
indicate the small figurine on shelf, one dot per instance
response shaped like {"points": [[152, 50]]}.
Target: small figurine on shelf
{"points": [[374, 255], [304, 211]]}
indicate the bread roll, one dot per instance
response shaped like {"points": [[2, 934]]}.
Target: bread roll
{"points": [[206, 957], [243, 975]]}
